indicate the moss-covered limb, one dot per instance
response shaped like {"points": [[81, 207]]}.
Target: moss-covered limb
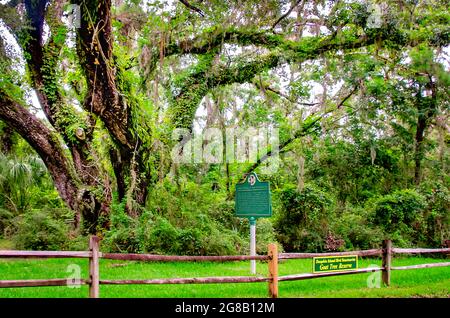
{"points": [[245, 71], [75, 128], [43, 64], [45, 142], [95, 53], [211, 39], [214, 38], [87, 200], [197, 81], [193, 85], [190, 87]]}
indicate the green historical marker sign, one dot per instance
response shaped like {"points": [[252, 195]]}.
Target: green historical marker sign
{"points": [[325, 264], [253, 198]]}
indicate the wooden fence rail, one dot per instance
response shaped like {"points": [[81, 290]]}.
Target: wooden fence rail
{"points": [[420, 250], [170, 258], [37, 282], [421, 266], [272, 258], [311, 255], [194, 280], [318, 275], [43, 254]]}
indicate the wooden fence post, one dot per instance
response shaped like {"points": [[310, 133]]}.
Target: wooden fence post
{"points": [[273, 270], [386, 262], [94, 267]]}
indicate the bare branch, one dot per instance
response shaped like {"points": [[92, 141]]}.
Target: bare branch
{"points": [[286, 14], [303, 131], [346, 97], [275, 91], [193, 8]]}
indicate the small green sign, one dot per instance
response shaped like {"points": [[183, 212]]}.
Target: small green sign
{"points": [[253, 198], [325, 264]]}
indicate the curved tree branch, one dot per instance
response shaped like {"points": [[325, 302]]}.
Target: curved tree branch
{"points": [[46, 144], [287, 13], [191, 7], [309, 125], [79, 197], [94, 49], [200, 80]]}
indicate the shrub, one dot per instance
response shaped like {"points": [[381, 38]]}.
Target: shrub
{"points": [[302, 222], [224, 215], [190, 241], [437, 212], [354, 226], [222, 241], [6, 218], [122, 236], [401, 207], [400, 215], [163, 237], [46, 230], [264, 235]]}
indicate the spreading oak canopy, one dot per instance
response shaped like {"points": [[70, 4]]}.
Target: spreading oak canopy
{"points": [[110, 101]]}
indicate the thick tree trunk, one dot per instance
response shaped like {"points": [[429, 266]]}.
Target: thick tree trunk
{"points": [[426, 108], [78, 196], [95, 51], [132, 179], [419, 151]]}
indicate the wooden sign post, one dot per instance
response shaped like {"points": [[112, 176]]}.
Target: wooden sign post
{"points": [[253, 201], [252, 244]]}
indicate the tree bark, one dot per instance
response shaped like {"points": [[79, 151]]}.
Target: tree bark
{"points": [[94, 49], [104, 99], [426, 108], [85, 172], [418, 152], [48, 146], [6, 139]]}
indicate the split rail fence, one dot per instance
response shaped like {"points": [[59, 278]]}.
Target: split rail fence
{"points": [[272, 258]]}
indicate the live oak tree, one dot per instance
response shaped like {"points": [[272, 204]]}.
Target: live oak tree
{"points": [[114, 87]]}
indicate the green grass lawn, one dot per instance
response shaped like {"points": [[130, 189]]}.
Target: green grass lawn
{"points": [[429, 282]]}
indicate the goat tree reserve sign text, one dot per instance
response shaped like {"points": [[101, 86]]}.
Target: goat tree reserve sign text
{"points": [[326, 264]]}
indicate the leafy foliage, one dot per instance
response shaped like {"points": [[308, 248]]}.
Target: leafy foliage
{"points": [[47, 230], [302, 223], [359, 97]]}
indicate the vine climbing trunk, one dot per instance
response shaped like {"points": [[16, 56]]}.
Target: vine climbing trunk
{"points": [[418, 153], [77, 195]]}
